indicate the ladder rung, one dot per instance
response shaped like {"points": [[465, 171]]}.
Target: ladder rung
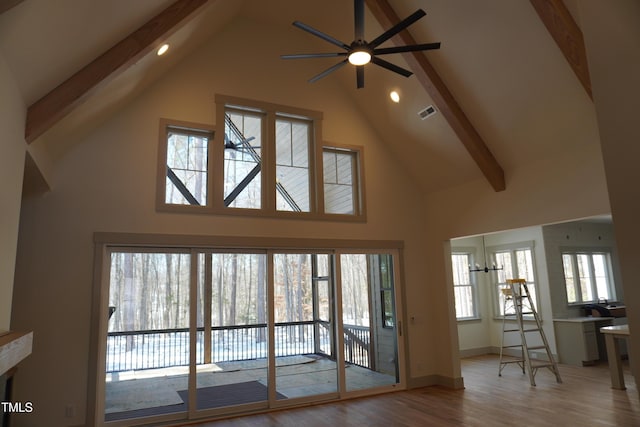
{"points": [[511, 330], [541, 365], [512, 361], [512, 346], [536, 347], [531, 330]]}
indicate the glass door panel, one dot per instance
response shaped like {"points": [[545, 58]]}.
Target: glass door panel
{"points": [[304, 357], [147, 348], [212, 329], [369, 321], [231, 330]]}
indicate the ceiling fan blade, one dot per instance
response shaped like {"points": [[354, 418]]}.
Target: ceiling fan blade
{"points": [[358, 13], [360, 76], [320, 34], [410, 48], [397, 28], [313, 55], [327, 71], [391, 67]]}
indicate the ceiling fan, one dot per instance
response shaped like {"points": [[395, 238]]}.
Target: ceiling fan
{"points": [[360, 52]]}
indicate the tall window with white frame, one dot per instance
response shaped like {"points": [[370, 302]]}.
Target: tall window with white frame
{"points": [[464, 286], [587, 276], [517, 263]]}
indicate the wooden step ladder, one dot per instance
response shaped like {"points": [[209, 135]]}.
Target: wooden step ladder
{"points": [[517, 296]]}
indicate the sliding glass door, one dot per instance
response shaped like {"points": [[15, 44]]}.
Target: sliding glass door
{"points": [[369, 321], [201, 332], [147, 337], [305, 363], [231, 330]]}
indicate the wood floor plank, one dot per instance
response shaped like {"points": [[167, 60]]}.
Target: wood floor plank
{"points": [[584, 398]]}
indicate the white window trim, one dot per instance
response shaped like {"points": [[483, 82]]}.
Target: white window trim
{"points": [[513, 247]]}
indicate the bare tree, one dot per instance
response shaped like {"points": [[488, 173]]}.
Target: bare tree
{"points": [[129, 303], [260, 301], [234, 290]]}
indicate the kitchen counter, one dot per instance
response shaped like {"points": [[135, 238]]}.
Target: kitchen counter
{"points": [[584, 319], [578, 339]]}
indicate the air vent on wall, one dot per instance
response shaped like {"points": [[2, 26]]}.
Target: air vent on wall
{"points": [[427, 112]]}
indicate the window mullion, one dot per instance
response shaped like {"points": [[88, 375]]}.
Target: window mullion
{"points": [[577, 281], [594, 279], [269, 163]]}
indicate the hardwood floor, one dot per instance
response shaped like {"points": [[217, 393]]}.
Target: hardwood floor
{"points": [[584, 398]]}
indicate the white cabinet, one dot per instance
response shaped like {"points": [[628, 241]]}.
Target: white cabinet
{"points": [[577, 339]]}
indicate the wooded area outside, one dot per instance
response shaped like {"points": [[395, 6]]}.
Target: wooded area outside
{"points": [[150, 290]]}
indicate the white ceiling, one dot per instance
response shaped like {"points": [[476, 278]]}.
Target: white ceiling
{"points": [[497, 59]]}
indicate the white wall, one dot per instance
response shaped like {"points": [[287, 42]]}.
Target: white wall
{"points": [[12, 118], [107, 183]]}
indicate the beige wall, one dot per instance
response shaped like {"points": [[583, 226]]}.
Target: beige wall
{"points": [[107, 183], [12, 115], [612, 38]]}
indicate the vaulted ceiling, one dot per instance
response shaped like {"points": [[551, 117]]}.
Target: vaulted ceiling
{"points": [[510, 82]]}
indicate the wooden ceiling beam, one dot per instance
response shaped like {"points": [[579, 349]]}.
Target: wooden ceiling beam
{"points": [[8, 4], [55, 105], [567, 35], [442, 97]]}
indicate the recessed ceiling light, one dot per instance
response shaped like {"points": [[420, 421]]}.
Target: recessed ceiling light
{"points": [[395, 96], [163, 49]]}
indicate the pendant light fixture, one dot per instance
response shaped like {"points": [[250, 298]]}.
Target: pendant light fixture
{"points": [[486, 269]]}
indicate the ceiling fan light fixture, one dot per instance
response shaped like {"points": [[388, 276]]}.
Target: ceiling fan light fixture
{"points": [[360, 57], [360, 52]]}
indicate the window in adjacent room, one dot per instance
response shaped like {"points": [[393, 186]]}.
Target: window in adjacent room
{"points": [[517, 262], [464, 286], [587, 276]]}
